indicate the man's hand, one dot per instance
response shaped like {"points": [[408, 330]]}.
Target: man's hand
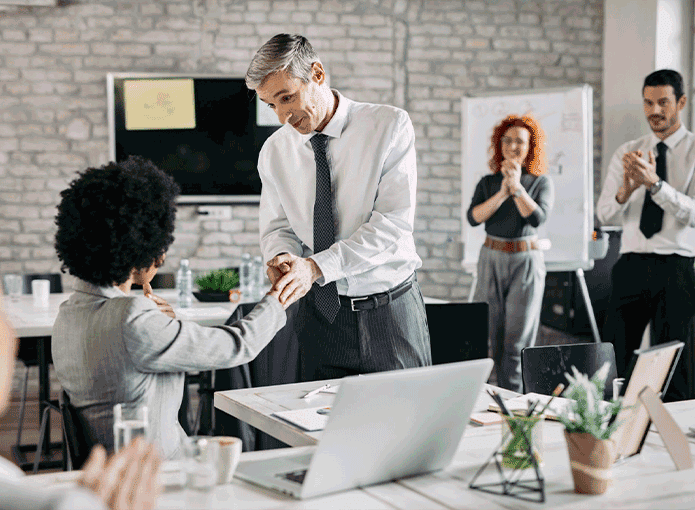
{"points": [[126, 481], [642, 171], [630, 184], [298, 276], [162, 304]]}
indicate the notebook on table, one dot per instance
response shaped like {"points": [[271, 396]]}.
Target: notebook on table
{"points": [[381, 427]]}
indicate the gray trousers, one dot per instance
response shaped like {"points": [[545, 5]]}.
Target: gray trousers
{"points": [[512, 284]]}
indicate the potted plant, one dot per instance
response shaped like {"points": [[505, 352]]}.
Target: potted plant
{"points": [[218, 285], [589, 423]]}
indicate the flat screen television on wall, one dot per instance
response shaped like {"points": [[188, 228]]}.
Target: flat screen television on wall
{"points": [[204, 130]]}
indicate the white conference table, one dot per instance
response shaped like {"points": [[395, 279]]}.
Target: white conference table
{"points": [[646, 481]]}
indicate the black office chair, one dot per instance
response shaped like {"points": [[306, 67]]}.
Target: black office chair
{"points": [[28, 355], [75, 432], [458, 331], [544, 367]]}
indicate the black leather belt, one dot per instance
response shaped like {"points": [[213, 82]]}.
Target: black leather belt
{"points": [[361, 303]]}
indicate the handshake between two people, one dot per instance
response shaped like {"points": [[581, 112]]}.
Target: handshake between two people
{"points": [[291, 277]]}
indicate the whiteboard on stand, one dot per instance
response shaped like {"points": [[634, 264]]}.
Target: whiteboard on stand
{"points": [[566, 116]]}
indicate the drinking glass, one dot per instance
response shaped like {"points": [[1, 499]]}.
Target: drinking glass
{"points": [[14, 284], [129, 422], [201, 457], [517, 431]]}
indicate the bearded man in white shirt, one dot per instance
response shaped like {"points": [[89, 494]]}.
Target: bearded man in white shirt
{"points": [[649, 191], [336, 217]]}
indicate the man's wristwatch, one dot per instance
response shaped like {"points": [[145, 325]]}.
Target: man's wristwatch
{"points": [[517, 193], [654, 189]]}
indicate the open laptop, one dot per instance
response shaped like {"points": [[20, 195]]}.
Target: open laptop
{"points": [[381, 427]]}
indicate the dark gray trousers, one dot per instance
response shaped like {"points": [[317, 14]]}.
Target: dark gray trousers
{"points": [[389, 337]]}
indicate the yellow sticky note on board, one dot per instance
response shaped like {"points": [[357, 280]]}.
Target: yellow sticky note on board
{"points": [[159, 104]]}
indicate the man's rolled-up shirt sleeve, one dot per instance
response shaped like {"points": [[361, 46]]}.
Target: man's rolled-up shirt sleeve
{"points": [[392, 217]]}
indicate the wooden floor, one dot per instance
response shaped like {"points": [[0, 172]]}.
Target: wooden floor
{"points": [[8, 423]]}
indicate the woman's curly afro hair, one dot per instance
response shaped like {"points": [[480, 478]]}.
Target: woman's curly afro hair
{"points": [[114, 219]]}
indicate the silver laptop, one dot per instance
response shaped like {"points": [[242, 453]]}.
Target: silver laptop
{"points": [[381, 427]]}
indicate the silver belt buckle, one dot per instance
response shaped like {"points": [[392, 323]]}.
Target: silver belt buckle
{"points": [[357, 300]]}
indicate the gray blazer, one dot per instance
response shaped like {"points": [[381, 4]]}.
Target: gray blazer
{"points": [[111, 347]]}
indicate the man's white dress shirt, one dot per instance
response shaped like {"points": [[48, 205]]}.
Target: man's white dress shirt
{"points": [[677, 234], [371, 152]]}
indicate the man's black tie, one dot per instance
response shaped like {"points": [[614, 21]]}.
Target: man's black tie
{"points": [[326, 297], [653, 214]]}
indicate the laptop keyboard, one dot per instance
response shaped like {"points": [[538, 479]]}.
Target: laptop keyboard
{"points": [[294, 476]]}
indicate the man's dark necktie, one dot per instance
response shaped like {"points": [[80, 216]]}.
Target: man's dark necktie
{"points": [[326, 297], [652, 214]]}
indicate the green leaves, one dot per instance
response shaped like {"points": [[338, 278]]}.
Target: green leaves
{"points": [[587, 412], [218, 280]]}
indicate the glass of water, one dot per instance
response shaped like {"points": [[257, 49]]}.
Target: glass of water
{"points": [[129, 422], [14, 284], [201, 459]]}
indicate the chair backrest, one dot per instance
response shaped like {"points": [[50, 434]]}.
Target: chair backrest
{"points": [[56, 286], [458, 331], [544, 367], [79, 441]]}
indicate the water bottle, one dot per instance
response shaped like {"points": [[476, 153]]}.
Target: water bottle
{"points": [[258, 277], [184, 284], [245, 277]]}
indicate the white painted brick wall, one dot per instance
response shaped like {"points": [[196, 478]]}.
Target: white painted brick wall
{"points": [[418, 55]]}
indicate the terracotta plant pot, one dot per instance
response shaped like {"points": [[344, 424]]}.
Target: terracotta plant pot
{"points": [[591, 460]]}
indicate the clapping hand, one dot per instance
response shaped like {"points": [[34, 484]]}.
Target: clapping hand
{"points": [[511, 170], [162, 304], [126, 481], [639, 170]]}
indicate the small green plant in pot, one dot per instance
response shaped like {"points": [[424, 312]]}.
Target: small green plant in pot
{"points": [[589, 424], [218, 285]]}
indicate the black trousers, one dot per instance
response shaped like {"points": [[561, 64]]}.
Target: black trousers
{"points": [[389, 337], [660, 289]]}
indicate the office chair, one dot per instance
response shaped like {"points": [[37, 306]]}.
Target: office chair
{"points": [[75, 432], [544, 367], [458, 331], [28, 355]]}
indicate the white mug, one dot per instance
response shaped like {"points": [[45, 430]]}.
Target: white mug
{"points": [[40, 289], [230, 452]]}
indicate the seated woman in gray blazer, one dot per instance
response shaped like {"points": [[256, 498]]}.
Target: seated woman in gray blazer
{"points": [[115, 225]]}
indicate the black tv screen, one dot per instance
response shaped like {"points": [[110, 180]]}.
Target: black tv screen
{"points": [[203, 130]]}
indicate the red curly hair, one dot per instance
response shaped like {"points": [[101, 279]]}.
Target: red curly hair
{"points": [[535, 162]]}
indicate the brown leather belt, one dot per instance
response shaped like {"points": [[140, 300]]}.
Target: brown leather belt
{"points": [[511, 246]]}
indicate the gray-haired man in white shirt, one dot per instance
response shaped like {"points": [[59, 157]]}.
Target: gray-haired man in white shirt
{"points": [[336, 217], [649, 191]]}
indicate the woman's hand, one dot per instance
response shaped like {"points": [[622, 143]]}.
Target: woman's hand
{"points": [[162, 304], [511, 170], [126, 481]]}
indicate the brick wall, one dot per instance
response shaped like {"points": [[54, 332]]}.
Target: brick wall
{"points": [[418, 55]]}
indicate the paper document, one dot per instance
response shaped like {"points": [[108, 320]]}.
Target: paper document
{"points": [[308, 419], [519, 405]]}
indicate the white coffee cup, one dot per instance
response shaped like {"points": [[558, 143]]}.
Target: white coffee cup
{"points": [[230, 452], [40, 289]]}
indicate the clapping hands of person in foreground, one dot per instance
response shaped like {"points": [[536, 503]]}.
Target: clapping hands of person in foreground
{"points": [[127, 480]]}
